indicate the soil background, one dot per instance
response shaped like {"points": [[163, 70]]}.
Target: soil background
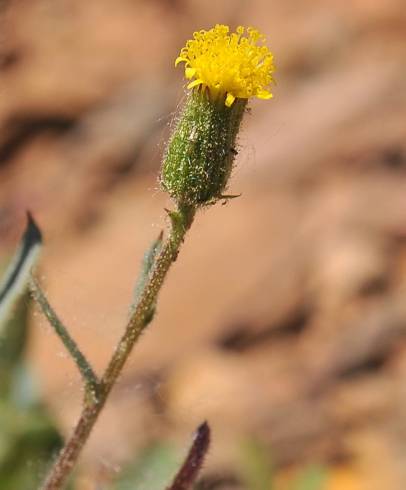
{"points": [[284, 319]]}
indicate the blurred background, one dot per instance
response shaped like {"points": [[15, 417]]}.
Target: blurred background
{"points": [[283, 323]]}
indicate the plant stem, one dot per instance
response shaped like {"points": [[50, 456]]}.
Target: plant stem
{"points": [[142, 314], [88, 375]]}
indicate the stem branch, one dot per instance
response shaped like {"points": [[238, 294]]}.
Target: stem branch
{"points": [[82, 363], [141, 315]]}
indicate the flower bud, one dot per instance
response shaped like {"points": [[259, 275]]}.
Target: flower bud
{"points": [[201, 151], [226, 70]]}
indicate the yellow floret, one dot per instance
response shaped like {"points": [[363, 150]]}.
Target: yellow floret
{"points": [[227, 64]]}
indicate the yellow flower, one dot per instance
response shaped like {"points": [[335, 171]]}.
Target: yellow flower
{"points": [[232, 65]]}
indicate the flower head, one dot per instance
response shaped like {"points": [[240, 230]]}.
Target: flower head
{"points": [[235, 65]]}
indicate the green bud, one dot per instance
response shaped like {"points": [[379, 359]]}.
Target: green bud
{"points": [[200, 153]]}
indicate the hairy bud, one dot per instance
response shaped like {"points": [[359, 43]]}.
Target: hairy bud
{"points": [[200, 154]]}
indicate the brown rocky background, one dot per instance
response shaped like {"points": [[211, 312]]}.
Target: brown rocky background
{"points": [[284, 319]]}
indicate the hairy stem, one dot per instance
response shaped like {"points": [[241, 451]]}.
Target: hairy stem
{"points": [[86, 370], [188, 472], [141, 315]]}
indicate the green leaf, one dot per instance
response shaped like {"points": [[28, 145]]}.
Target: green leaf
{"points": [[311, 478], [28, 436], [256, 467], [15, 280], [146, 267], [13, 340], [153, 469], [27, 442]]}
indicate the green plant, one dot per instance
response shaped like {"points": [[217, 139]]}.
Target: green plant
{"points": [[257, 471], [228, 69], [28, 436]]}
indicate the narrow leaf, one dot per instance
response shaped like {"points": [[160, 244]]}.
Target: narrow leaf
{"points": [[17, 274], [146, 267], [189, 471]]}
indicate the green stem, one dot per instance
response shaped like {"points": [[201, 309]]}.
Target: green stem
{"points": [[142, 314], [82, 363]]}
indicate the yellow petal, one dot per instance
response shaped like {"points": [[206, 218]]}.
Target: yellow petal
{"points": [[190, 73], [229, 100], [224, 62], [179, 59], [195, 83], [264, 94]]}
